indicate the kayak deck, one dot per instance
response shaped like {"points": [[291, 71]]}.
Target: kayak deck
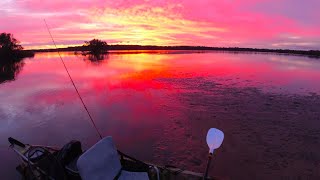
{"points": [[43, 165]]}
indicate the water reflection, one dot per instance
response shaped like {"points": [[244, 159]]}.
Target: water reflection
{"points": [[9, 69], [95, 58], [151, 103]]}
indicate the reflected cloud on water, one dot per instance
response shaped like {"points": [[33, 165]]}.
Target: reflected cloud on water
{"points": [[160, 100]]}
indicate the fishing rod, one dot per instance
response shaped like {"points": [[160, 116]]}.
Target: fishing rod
{"points": [[75, 87]]}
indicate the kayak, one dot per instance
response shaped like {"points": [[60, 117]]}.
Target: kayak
{"points": [[101, 161]]}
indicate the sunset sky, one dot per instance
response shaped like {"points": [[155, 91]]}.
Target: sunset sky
{"points": [[293, 24]]}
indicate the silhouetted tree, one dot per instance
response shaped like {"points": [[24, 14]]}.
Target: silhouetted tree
{"points": [[96, 46], [9, 43], [11, 56], [11, 49]]}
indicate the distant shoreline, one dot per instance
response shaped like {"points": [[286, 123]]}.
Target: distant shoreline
{"points": [[309, 53]]}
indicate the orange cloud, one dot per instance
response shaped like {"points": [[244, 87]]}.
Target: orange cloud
{"points": [[145, 25]]}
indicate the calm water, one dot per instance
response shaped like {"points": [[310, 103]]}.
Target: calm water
{"points": [[158, 107]]}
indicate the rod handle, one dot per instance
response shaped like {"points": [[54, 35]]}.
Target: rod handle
{"points": [[16, 142], [208, 165]]}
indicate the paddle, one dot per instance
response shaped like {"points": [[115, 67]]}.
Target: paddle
{"points": [[214, 141]]}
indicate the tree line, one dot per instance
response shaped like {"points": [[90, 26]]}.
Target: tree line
{"points": [[10, 47]]}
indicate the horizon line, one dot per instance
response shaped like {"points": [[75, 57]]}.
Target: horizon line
{"points": [[177, 46]]}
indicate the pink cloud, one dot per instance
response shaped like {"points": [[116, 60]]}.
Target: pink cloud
{"points": [[247, 23]]}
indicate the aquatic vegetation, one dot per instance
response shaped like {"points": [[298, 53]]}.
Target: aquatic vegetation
{"points": [[96, 46]]}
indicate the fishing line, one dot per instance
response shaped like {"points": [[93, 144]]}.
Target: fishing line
{"points": [[85, 107]]}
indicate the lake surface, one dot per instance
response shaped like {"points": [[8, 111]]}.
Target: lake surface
{"points": [[159, 105]]}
